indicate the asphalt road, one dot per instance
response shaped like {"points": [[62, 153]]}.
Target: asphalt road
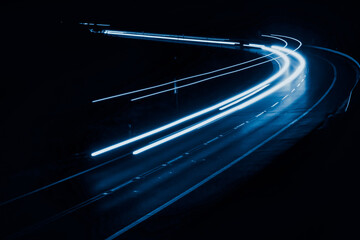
{"points": [[127, 190]]}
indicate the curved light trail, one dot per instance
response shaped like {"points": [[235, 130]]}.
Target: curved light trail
{"points": [[168, 37], [194, 76], [158, 168], [243, 98], [204, 111], [223, 169], [294, 39], [200, 81], [293, 76], [278, 38], [224, 74]]}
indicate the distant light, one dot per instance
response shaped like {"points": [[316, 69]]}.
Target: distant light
{"points": [[184, 39], [97, 24], [103, 25]]}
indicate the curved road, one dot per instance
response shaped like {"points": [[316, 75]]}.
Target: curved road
{"points": [[141, 176]]}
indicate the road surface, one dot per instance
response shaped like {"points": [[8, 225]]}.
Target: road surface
{"points": [[143, 174]]}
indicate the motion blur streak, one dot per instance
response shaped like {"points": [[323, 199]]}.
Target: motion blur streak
{"points": [[172, 124], [292, 77], [181, 79], [158, 36], [207, 179], [202, 112], [243, 98], [289, 79], [294, 39], [200, 81], [193, 76]]}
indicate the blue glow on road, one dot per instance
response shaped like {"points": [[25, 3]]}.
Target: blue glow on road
{"points": [[206, 110]]}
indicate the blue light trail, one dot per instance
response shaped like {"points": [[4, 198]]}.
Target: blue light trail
{"points": [[164, 37], [204, 111], [201, 124], [191, 77]]}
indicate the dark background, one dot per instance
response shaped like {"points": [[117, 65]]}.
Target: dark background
{"points": [[309, 192]]}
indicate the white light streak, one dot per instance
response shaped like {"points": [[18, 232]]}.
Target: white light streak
{"points": [[187, 78], [175, 123], [151, 36], [243, 98], [281, 55], [204, 111], [201, 124]]}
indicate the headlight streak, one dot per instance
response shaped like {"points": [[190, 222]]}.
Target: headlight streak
{"points": [[149, 36], [181, 79], [289, 79], [175, 123], [194, 76], [168, 203], [268, 81], [204, 111], [209, 78], [280, 39], [243, 98], [221, 170], [182, 194], [200, 81], [294, 39]]}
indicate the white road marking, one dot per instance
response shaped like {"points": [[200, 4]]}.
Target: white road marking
{"points": [[285, 97], [275, 104]]}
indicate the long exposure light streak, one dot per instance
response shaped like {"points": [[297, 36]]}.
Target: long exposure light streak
{"points": [[186, 78], [243, 98], [220, 75], [193, 76], [153, 36], [175, 123], [206, 110], [264, 94]]}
